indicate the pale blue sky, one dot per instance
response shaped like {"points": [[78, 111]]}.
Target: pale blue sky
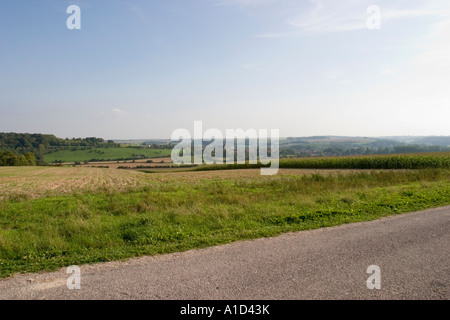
{"points": [[142, 68]]}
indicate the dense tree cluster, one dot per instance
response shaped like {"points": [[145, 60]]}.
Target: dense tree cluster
{"points": [[10, 158], [16, 148]]}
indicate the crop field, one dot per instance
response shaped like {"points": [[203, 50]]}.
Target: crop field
{"points": [[104, 154], [397, 161], [400, 161], [51, 217]]}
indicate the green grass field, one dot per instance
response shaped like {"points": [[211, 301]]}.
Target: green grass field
{"points": [[104, 154], [169, 212]]}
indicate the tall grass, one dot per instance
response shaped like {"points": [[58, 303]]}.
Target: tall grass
{"points": [[384, 162]]}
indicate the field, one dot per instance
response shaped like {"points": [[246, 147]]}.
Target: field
{"points": [[21, 183], [104, 154], [395, 161], [52, 217]]}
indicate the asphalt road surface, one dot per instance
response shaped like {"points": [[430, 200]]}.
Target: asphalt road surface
{"points": [[411, 250]]}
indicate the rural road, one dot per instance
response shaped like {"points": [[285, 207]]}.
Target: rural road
{"points": [[412, 251]]}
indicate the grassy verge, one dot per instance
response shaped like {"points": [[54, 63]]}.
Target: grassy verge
{"points": [[52, 232]]}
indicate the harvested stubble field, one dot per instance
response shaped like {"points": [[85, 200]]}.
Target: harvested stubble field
{"points": [[51, 217], [36, 182]]}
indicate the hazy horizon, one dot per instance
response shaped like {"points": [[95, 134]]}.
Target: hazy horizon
{"points": [[140, 69], [281, 137]]}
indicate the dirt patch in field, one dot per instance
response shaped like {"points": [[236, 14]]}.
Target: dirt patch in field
{"points": [[159, 162]]}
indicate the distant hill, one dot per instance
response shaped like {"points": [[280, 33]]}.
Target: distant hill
{"points": [[341, 145], [443, 141], [29, 149], [146, 142]]}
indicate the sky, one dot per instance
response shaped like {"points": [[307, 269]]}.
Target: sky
{"points": [[140, 69]]}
